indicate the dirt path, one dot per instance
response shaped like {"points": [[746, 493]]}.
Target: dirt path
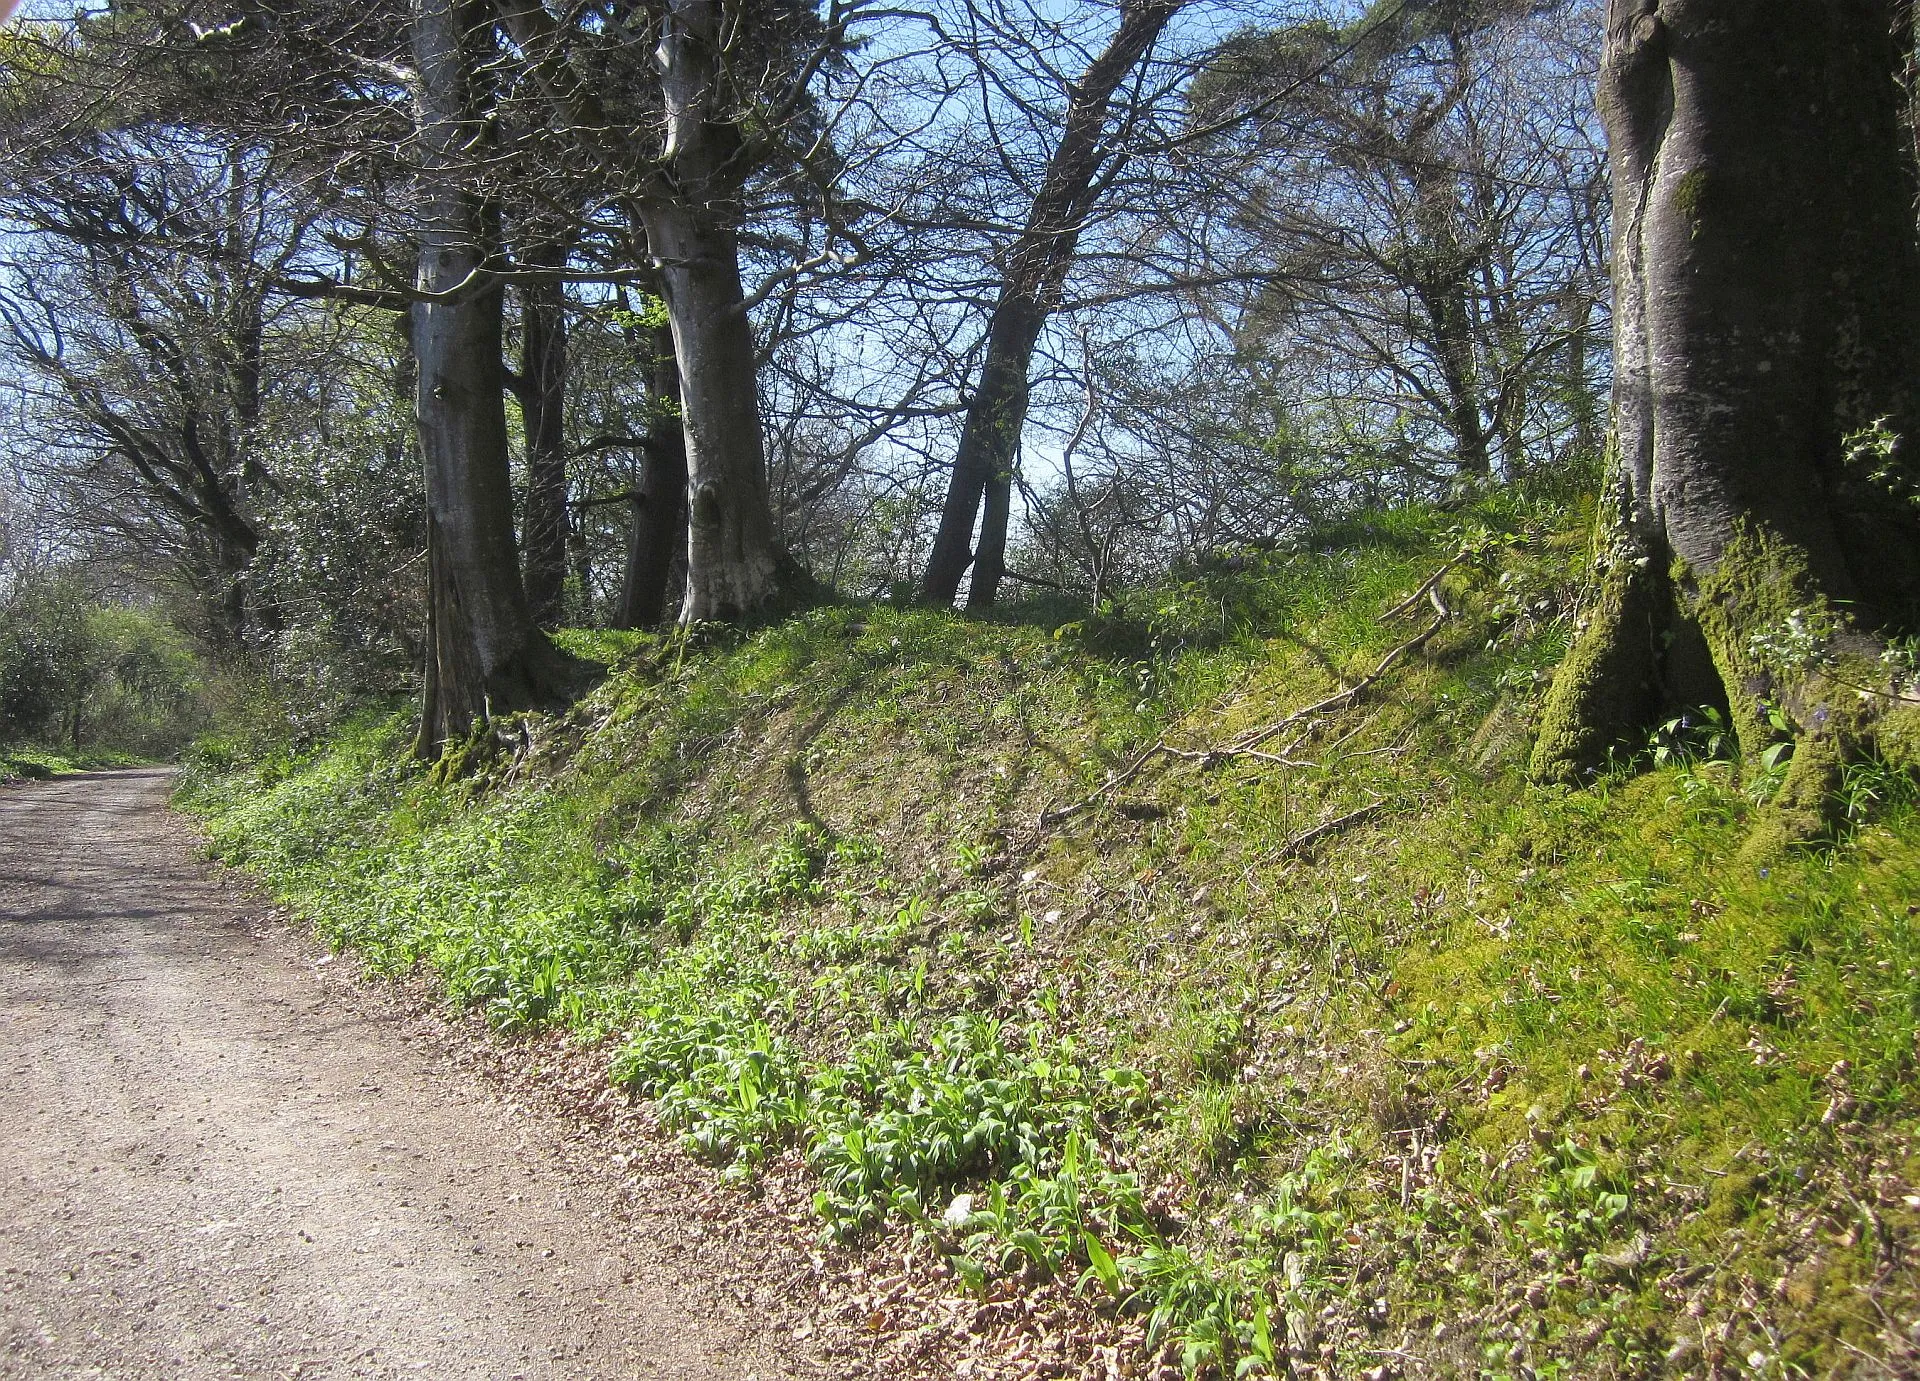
{"points": [[214, 1162]]}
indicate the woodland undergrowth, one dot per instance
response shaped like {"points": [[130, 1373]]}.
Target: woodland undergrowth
{"points": [[1323, 1042]]}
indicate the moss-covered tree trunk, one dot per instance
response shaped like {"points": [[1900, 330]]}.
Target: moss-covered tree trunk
{"points": [[1762, 536]]}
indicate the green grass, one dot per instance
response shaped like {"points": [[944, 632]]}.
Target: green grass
{"points": [[22, 762], [1513, 1081]]}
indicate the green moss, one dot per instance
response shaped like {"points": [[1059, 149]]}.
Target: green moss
{"points": [[1792, 666], [1689, 198], [1802, 811], [1897, 736], [1603, 692], [1756, 587], [467, 758]]}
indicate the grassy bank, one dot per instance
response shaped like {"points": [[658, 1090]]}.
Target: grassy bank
{"points": [[1321, 1040], [24, 762]]}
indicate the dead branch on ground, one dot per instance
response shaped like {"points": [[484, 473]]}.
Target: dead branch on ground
{"points": [[1251, 743]]}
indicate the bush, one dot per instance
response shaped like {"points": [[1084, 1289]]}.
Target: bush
{"points": [[86, 674]]}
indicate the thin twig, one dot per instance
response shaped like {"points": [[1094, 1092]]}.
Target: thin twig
{"points": [[1431, 584], [1208, 757], [1339, 700], [1299, 844], [1113, 783]]}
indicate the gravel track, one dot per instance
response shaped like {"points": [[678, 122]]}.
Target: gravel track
{"points": [[217, 1160]]}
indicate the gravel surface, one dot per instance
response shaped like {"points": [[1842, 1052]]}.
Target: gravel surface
{"points": [[219, 1158]]}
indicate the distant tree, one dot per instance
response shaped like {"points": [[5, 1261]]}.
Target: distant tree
{"points": [[158, 375], [1762, 538], [1037, 263], [656, 541], [540, 386], [1430, 209]]}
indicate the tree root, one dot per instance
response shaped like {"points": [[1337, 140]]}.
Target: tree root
{"points": [[1300, 843], [1792, 664]]}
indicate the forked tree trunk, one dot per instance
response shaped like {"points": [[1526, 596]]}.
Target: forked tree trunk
{"points": [[734, 562], [543, 400], [659, 532], [484, 655], [1763, 535], [1037, 266]]}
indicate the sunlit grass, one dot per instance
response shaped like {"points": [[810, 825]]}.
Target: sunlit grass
{"points": [[1495, 1077]]}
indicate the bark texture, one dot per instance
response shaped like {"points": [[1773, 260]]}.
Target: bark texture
{"points": [[1037, 265], [484, 653], [734, 561], [1767, 289], [657, 538]]}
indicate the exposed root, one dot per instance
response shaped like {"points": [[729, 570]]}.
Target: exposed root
{"points": [[1791, 663]]}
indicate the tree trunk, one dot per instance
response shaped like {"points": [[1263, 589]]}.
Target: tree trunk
{"points": [[543, 398], [1442, 278], [1578, 385], [486, 654], [1037, 266], [1454, 346], [734, 561], [1763, 535], [983, 464], [659, 530]]}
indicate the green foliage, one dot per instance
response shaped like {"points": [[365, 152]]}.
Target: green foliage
{"points": [[86, 675], [343, 538], [607, 646], [1550, 1068]]}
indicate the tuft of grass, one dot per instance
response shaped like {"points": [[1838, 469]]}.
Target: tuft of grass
{"points": [[30, 763]]}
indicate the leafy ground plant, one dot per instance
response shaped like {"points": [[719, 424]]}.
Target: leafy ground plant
{"points": [[1344, 1050]]}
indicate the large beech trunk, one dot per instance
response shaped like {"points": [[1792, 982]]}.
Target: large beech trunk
{"points": [[733, 556], [1762, 534], [734, 560], [543, 399], [736, 569], [983, 465], [484, 653], [658, 534]]}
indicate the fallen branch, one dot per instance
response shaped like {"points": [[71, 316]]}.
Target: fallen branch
{"points": [[1249, 744], [1430, 587], [1299, 844], [1340, 699], [1050, 818]]}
